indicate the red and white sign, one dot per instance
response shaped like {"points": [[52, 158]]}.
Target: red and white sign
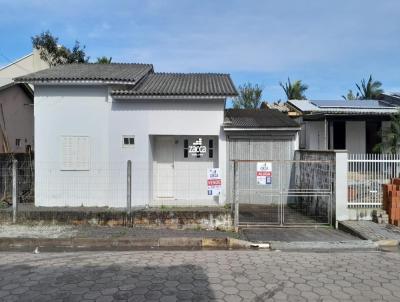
{"points": [[264, 173], [214, 181]]}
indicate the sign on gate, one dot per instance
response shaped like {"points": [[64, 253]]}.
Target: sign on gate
{"points": [[264, 173], [214, 181]]}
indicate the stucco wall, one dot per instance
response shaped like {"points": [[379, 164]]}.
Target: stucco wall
{"points": [[23, 66], [17, 108], [89, 111]]}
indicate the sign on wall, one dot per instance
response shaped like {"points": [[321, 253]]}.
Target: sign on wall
{"points": [[213, 181], [264, 173], [197, 148]]}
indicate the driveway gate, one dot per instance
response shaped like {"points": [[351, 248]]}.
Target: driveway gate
{"points": [[282, 192]]}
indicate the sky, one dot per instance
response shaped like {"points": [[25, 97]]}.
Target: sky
{"points": [[329, 45]]}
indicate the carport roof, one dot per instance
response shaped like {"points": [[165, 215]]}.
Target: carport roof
{"points": [[257, 119]]}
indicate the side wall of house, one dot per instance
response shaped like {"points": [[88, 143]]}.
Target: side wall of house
{"points": [[17, 122], [72, 111]]}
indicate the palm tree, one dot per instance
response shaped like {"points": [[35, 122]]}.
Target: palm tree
{"points": [[249, 97], [104, 60], [390, 137], [351, 96], [294, 91], [369, 90]]}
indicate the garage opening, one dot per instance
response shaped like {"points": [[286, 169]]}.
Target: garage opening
{"points": [[267, 184]]}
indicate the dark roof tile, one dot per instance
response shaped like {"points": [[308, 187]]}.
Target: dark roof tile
{"points": [[120, 72], [159, 84], [258, 118]]}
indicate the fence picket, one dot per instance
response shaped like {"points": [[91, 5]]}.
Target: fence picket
{"points": [[366, 175]]}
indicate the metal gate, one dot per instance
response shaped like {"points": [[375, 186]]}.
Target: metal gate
{"points": [[282, 192]]}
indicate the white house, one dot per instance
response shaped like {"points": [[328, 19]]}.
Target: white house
{"points": [[91, 119]]}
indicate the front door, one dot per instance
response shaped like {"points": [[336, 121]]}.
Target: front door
{"points": [[165, 167]]}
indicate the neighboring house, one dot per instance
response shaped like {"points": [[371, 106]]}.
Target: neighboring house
{"points": [[284, 108], [16, 104], [90, 119], [352, 125], [392, 98], [16, 118]]}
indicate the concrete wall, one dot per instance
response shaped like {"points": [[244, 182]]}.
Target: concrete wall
{"points": [[17, 108], [90, 111]]}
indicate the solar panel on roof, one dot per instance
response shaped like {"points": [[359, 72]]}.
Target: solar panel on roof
{"points": [[371, 104]]}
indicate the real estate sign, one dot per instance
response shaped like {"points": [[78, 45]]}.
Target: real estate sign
{"points": [[264, 173], [213, 181]]}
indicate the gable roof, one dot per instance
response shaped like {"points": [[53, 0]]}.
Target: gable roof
{"points": [[114, 72], [257, 118], [187, 84]]}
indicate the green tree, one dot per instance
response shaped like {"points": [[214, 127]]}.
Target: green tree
{"points": [[55, 54], [369, 90], [104, 60], [249, 97], [351, 96], [294, 91], [390, 138]]}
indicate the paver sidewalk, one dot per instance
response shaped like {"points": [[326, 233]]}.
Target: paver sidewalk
{"points": [[248, 276], [372, 231]]}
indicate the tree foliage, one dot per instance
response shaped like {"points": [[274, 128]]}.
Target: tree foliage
{"points": [[390, 137], [104, 60], [366, 90], [369, 90], [55, 54], [249, 97], [351, 96], [294, 91]]}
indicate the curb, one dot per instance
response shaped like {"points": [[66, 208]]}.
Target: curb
{"points": [[88, 244], [387, 243], [325, 246]]}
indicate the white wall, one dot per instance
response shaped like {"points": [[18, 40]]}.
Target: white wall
{"points": [[89, 111], [146, 119], [315, 135], [71, 111], [355, 137]]}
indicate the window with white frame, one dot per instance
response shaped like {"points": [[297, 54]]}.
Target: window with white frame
{"points": [[75, 153], [128, 140]]}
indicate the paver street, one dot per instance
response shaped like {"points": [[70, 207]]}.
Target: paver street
{"points": [[200, 276]]}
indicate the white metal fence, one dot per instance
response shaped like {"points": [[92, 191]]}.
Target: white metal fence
{"points": [[366, 175]]}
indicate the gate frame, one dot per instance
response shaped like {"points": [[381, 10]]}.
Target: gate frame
{"points": [[330, 193]]}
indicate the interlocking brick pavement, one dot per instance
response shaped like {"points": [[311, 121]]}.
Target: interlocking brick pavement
{"points": [[200, 276]]}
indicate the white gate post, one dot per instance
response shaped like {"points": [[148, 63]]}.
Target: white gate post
{"points": [[341, 166]]}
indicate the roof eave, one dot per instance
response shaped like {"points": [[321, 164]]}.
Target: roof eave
{"points": [[262, 128], [179, 96], [72, 82]]}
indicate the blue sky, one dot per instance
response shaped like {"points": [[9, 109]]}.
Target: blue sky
{"points": [[328, 44]]}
